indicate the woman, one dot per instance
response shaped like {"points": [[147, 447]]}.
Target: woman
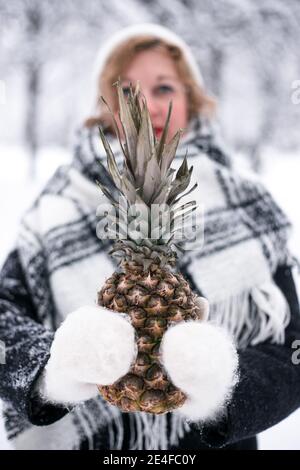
{"points": [[244, 269]]}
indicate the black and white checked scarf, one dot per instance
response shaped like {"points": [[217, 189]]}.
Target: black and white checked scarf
{"points": [[245, 239]]}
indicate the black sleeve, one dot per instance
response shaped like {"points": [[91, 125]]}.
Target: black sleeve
{"points": [[25, 346], [269, 386]]}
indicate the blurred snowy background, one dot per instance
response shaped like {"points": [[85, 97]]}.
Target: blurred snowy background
{"points": [[248, 51]]}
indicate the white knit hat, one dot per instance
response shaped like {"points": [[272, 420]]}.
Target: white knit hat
{"points": [[144, 29]]}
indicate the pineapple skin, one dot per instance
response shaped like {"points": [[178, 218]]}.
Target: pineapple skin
{"points": [[154, 300]]}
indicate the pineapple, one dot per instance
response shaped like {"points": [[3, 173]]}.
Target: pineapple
{"points": [[146, 286]]}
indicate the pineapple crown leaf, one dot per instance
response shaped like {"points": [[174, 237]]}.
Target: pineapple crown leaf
{"points": [[109, 195], [128, 115], [116, 129], [185, 194], [124, 147], [162, 141], [169, 151], [111, 162], [146, 177]]}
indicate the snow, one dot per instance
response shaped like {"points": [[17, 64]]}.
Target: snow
{"points": [[18, 190], [280, 174]]}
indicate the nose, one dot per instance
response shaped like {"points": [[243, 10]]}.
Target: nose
{"points": [[152, 104]]}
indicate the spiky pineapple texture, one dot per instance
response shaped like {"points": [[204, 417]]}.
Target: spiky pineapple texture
{"points": [[153, 301], [145, 287]]}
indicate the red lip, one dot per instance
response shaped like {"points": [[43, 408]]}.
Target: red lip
{"points": [[158, 130]]}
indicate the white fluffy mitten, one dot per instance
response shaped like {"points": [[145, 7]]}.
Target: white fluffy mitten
{"points": [[202, 361], [92, 346]]}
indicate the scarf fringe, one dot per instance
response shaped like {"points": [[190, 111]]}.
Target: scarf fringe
{"points": [[147, 431], [253, 316]]}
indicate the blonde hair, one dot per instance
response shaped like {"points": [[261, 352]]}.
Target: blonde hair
{"points": [[119, 60]]}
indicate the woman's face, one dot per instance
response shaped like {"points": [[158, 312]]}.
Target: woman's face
{"points": [[160, 84]]}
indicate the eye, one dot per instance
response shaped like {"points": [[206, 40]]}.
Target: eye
{"points": [[126, 90], [164, 89]]}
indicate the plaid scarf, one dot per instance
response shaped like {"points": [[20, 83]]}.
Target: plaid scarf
{"points": [[245, 239], [245, 233]]}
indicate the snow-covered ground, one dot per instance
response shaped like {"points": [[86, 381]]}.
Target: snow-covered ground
{"points": [[280, 174]]}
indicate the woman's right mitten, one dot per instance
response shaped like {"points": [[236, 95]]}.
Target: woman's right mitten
{"points": [[93, 346]]}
